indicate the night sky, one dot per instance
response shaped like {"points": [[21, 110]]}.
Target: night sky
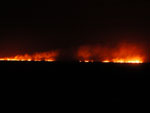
{"points": [[39, 26]]}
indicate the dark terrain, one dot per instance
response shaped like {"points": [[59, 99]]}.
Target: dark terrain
{"points": [[72, 84], [76, 70]]}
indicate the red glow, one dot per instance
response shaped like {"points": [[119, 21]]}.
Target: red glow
{"points": [[43, 56], [122, 53]]}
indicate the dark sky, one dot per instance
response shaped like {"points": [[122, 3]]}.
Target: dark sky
{"points": [[45, 25]]}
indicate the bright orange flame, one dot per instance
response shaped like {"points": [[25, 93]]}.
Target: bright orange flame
{"points": [[124, 61], [105, 61], [130, 60], [86, 61], [123, 53], [43, 56]]}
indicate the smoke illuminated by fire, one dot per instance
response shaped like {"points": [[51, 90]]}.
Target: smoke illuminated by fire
{"points": [[43, 56], [122, 53]]}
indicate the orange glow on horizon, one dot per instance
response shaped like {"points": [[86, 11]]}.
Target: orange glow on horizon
{"points": [[122, 53], [132, 60], [136, 61], [43, 56]]}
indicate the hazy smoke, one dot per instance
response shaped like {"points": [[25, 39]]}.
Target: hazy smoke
{"points": [[121, 51]]}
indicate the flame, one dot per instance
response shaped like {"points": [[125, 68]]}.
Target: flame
{"points": [[130, 60], [122, 53], [43, 56], [105, 61], [86, 61]]}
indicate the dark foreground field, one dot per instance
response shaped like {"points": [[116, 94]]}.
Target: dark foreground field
{"points": [[74, 85], [75, 70]]}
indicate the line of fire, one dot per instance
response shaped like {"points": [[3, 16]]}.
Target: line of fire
{"points": [[42, 56], [122, 53]]}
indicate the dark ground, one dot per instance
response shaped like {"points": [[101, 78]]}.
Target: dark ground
{"points": [[74, 85], [76, 70]]}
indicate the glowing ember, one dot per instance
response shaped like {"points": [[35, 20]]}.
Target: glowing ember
{"points": [[43, 56]]}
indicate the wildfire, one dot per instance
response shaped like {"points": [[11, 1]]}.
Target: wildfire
{"points": [[123, 53], [43, 56], [132, 60], [86, 61], [105, 61], [137, 61]]}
